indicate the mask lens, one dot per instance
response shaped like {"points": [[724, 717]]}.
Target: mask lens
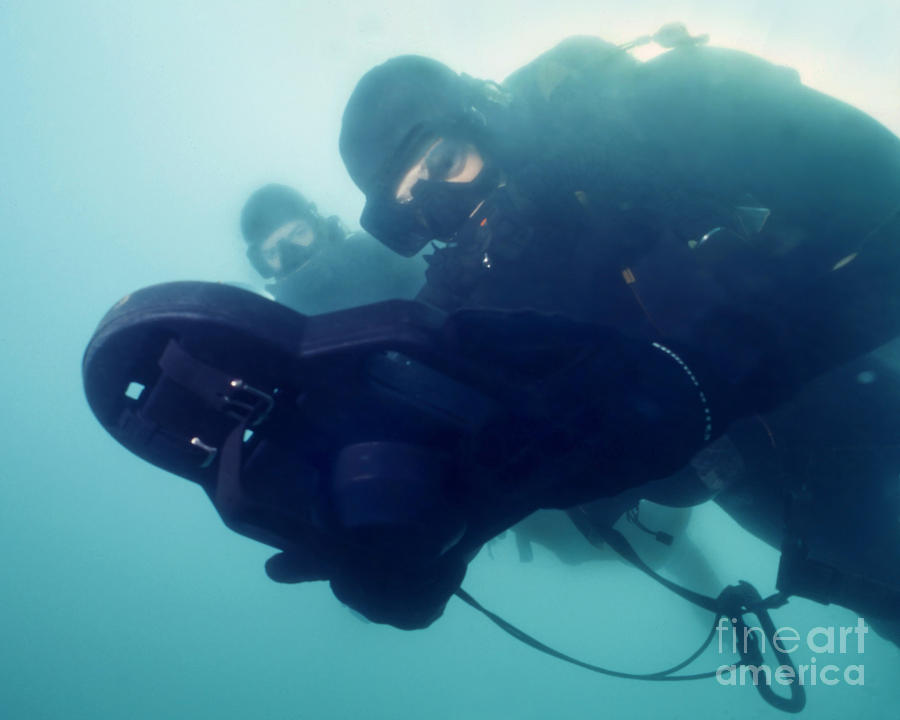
{"points": [[293, 256], [286, 249], [445, 160]]}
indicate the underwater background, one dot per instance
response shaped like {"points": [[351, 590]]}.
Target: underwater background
{"points": [[131, 133]]}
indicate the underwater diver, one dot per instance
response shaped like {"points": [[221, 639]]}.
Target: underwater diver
{"points": [[634, 258], [705, 199], [315, 265]]}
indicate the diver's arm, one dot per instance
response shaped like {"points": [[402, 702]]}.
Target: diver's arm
{"points": [[637, 411], [598, 412]]}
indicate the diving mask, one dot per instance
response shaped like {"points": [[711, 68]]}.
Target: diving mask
{"points": [[430, 195]]}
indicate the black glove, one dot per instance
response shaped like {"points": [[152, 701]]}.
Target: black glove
{"points": [[409, 598]]}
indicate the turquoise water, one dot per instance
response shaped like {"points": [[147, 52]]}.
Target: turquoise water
{"points": [[130, 135]]}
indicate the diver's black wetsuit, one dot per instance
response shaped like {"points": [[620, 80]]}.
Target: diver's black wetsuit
{"points": [[705, 197], [706, 200]]}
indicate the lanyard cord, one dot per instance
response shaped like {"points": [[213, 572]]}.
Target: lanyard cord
{"points": [[733, 602], [524, 637]]}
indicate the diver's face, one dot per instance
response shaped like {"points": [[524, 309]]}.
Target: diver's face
{"points": [[288, 248], [444, 160], [432, 195]]}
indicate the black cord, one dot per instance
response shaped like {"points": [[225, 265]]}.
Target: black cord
{"points": [[522, 636], [733, 601]]}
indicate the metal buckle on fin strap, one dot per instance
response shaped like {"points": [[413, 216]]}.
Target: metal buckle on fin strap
{"points": [[247, 403], [219, 391]]}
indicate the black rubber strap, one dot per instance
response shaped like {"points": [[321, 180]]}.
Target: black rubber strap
{"points": [[617, 542], [734, 602], [206, 382], [522, 636]]}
